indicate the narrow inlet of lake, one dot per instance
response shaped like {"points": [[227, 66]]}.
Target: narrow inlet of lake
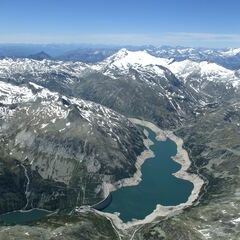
{"points": [[23, 217], [158, 185]]}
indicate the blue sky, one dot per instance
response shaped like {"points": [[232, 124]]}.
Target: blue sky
{"points": [[214, 23]]}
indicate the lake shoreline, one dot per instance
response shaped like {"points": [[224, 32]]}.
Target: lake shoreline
{"points": [[181, 158], [6, 217]]}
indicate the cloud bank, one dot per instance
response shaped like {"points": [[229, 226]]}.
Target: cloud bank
{"points": [[169, 38]]}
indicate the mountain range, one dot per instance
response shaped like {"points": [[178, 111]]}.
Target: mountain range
{"points": [[64, 126], [226, 57]]}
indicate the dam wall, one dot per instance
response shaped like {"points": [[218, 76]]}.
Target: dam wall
{"points": [[104, 203]]}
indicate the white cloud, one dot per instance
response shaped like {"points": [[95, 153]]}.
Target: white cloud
{"points": [[170, 38], [203, 39]]}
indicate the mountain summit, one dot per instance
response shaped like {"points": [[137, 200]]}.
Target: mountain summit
{"points": [[125, 58], [40, 56]]}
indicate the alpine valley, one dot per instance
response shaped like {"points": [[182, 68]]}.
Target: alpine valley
{"points": [[74, 131]]}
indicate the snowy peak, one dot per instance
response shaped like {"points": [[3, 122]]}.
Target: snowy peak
{"points": [[142, 61], [11, 94], [49, 105], [204, 67], [9, 67], [124, 59], [207, 68], [204, 71], [231, 52], [228, 58]]}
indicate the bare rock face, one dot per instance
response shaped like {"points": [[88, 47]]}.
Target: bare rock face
{"points": [[64, 147]]}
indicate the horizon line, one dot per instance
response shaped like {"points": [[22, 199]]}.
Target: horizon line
{"points": [[112, 45], [191, 39]]}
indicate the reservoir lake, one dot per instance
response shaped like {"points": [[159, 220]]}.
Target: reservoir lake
{"points": [[158, 185]]}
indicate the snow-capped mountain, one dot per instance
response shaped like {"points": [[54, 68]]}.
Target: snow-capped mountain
{"points": [[173, 87], [124, 61], [231, 52], [131, 77], [193, 53], [18, 68], [204, 71], [65, 141], [228, 58], [201, 76], [55, 75]]}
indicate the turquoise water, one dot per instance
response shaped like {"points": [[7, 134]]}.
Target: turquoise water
{"points": [[158, 185], [23, 217]]}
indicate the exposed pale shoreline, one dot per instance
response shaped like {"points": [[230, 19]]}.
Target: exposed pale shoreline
{"points": [[160, 211]]}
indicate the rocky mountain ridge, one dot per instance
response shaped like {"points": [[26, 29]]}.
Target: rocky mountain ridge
{"points": [[72, 143]]}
